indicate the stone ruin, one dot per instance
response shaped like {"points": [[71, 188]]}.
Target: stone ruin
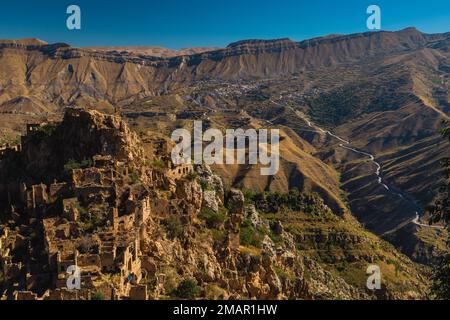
{"points": [[115, 254], [114, 250]]}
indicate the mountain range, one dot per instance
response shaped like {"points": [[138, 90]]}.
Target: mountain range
{"points": [[360, 115]]}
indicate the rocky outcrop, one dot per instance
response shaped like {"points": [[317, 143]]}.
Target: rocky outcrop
{"points": [[253, 216], [89, 133]]}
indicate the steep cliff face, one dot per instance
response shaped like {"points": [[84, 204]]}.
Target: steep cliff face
{"points": [[91, 133], [48, 147]]}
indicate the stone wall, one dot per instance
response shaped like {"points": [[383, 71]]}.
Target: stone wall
{"points": [[180, 171]]}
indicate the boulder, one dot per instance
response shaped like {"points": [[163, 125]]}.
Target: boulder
{"points": [[210, 200]]}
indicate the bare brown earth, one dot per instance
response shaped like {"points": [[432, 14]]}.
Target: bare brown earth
{"points": [[154, 51], [299, 169]]}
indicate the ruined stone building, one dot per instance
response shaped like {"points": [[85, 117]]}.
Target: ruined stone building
{"points": [[62, 209]]}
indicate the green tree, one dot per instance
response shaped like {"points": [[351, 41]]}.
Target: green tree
{"points": [[72, 165], [213, 219], [188, 289], [173, 226]]}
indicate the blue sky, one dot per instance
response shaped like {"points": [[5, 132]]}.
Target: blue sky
{"points": [[187, 23]]}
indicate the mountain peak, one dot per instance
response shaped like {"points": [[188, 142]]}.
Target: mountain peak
{"points": [[410, 29], [25, 42]]}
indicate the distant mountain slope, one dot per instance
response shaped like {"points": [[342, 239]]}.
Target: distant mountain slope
{"points": [[59, 74], [298, 169], [154, 51], [24, 42]]}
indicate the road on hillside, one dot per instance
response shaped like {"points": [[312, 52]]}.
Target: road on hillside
{"points": [[345, 144]]}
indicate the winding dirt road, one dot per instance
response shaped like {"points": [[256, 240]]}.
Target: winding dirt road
{"points": [[347, 145]]}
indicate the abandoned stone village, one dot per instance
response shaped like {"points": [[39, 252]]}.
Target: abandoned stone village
{"points": [[86, 193]]}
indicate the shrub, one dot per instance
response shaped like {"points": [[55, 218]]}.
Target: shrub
{"points": [[191, 176], [283, 274], [333, 108], [97, 296], [271, 202], [159, 164], [92, 218], [12, 140], [250, 236], [248, 195], [90, 222], [218, 235], [134, 178], [171, 280], [204, 184], [214, 292], [188, 289], [43, 132], [274, 237], [72, 165], [47, 130], [151, 282], [174, 226], [396, 264], [213, 219]]}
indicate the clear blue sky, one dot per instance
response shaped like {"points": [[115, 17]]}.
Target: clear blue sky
{"points": [[187, 23]]}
